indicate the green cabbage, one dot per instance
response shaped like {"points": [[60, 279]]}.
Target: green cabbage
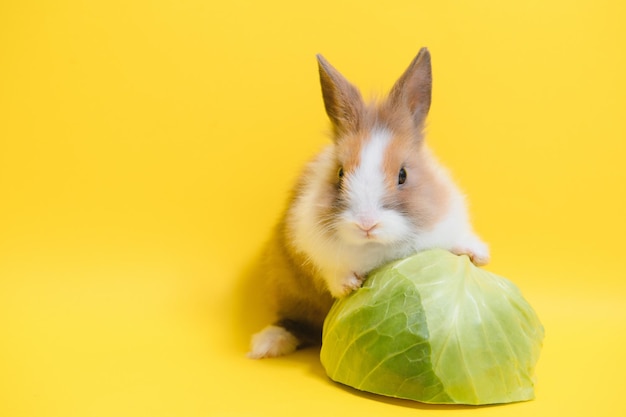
{"points": [[436, 329]]}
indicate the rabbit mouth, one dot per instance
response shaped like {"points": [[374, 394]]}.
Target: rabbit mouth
{"points": [[360, 233], [384, 227]]}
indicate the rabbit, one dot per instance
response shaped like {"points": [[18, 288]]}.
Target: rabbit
{"points": [[374, 195]]}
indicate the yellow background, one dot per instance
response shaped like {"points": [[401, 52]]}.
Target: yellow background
{"points": [[146, 149]]}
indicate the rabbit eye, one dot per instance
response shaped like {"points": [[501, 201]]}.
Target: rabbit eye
{"points": [[402, 176], [340, 173]]}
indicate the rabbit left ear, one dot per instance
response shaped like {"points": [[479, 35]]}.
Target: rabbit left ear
{"points": [[343, 101], [413, 89]]}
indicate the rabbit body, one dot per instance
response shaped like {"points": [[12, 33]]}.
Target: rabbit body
{"points": [[374, 195]]}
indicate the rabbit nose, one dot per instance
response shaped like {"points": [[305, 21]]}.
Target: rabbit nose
{"points": [[367, 225]]}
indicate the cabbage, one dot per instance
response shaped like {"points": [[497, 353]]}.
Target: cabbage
{"points": [[436, 329]]}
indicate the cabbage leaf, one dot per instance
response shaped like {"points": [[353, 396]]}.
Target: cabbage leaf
{"points": [[437, 329]]}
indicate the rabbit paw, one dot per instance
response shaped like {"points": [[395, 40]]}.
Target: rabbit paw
{"points": [[476, 250], [341, 287], [271, 342]]}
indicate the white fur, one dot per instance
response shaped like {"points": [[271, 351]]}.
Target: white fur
{"points": [[366, 186], [366, 220], [344, 256], [271, 342]]}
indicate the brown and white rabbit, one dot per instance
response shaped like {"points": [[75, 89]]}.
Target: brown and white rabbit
{"points": [[374, 195]]}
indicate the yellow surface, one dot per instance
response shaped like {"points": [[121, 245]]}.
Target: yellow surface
{"points": [[146, 148]]}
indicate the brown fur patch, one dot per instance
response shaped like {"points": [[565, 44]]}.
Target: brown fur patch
{"points": [[295, 290], [423, 196], [350, 143]]}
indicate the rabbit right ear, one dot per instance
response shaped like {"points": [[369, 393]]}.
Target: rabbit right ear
{"points": [[343, 101], [414, 87]]}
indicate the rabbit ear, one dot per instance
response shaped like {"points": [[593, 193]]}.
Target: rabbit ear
{"points": [[413, 89], [343, 101]]}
